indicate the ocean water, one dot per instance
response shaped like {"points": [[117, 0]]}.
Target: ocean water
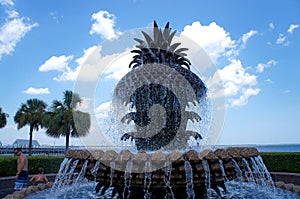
{"points": [[278, 148], [269, 148]]}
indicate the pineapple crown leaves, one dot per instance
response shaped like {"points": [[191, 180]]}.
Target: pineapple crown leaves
{"points": [[159, 49]]}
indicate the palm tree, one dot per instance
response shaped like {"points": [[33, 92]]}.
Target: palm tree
{"points": [[3, 119], [65, 120], [33, 114]]}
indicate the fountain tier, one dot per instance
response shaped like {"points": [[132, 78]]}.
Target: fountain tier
{"points": [[189, 174]]}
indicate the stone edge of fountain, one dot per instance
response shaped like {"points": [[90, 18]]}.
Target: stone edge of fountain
{"points": [[28, 191]]}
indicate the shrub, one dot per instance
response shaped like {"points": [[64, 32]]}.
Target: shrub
{"points": [[282, 161], [51, 164], [8, 166]]}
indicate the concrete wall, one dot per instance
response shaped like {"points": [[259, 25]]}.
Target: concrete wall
{"points": [[293, 178]]}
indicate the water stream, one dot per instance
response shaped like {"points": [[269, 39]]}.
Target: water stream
{"points": [[127, 179], [147, 179], [167, 179], [189, 179], [248, 172], [207, 177]]}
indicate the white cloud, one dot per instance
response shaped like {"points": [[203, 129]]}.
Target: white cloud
{"points": [[67, 75], [119, 67], [7, 2], [243, 99], [60, 64], [56, 63], [271, 26], [102, 110], [89, 66], [269, 81], [37, 91], [214, 39], [286, 91], [293, 27], [13, 30], [104, 25], [92, 64], [260, 67], [248, 35], [281, 38], [85, 104], [55, 17], [235, 73], [238, 84]]}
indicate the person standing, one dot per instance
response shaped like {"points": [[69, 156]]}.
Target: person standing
{"points": [[22, 169]]}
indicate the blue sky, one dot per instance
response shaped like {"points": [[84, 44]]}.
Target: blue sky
{"points": [[253, 44]]}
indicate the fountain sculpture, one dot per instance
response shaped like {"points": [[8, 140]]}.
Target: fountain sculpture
{"points": [[162, 86]]}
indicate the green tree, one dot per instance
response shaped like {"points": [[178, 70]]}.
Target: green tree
{"points": [[3, 120], [33, 114], [65, 120]]}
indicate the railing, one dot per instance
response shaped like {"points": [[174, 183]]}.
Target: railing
{"points": [[35, 151]]}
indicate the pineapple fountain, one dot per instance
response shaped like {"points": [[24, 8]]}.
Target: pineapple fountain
{"points": [[155, 97]]}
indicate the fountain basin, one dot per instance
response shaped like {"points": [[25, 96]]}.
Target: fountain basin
{"points": [[222, 173], [113, 170]]}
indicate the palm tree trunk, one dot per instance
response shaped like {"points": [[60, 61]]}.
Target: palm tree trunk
{"points": [[67, 141], [30, 141]]}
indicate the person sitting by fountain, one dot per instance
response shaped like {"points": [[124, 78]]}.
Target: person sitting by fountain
{"points": [[22, 169], [39, 178]]}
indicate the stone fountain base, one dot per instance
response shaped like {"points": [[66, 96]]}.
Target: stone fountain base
{"points": [[188, 174]]}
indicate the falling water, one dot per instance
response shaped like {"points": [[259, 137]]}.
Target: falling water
{"points": [[79, 178], [248, 172], [207, 177], [65, 176], [167, 179], [71, 172], [189, 179], [112, 172], [260, 178], [64, 166], [94, 170], [61, 169], [264, 170], [221, 190], [223, 170], [238, 170], [147, 180], [127, 179]]}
